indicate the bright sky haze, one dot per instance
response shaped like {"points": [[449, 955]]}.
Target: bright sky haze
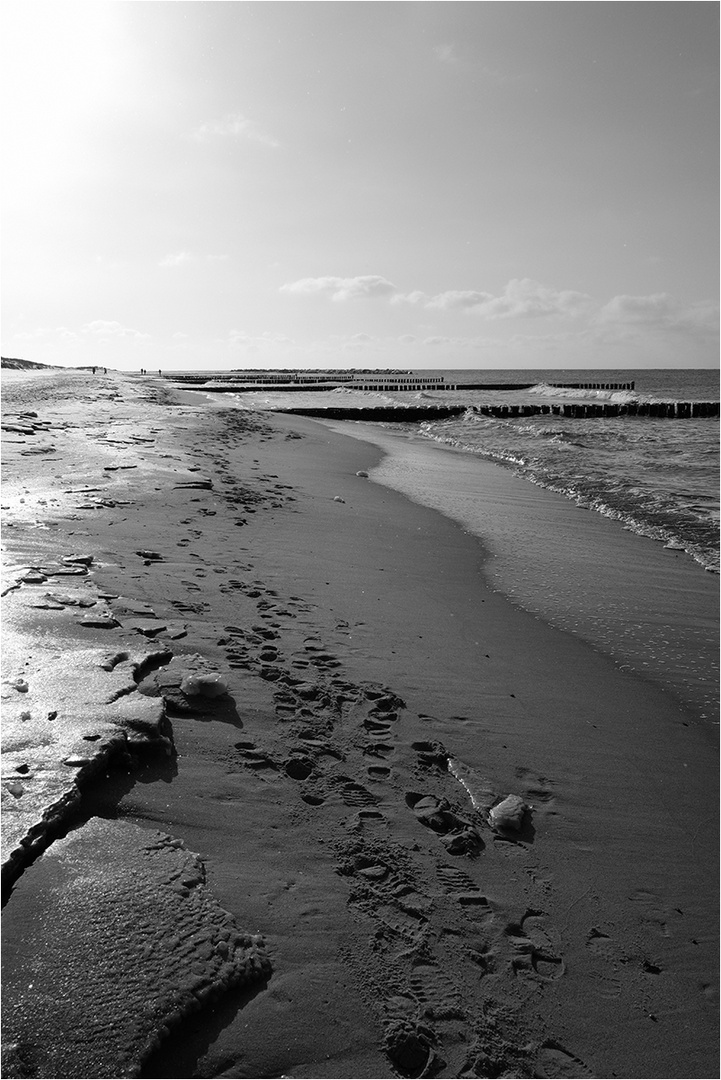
{"points": [[418, 185]]}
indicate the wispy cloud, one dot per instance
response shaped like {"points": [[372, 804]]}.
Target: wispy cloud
{"points": [[234, 126], [359, 341], [109, 330], [446, 53], [183, 258], [365, 286], [178, 258], [239, 339], [472, 66], [99, 330]]}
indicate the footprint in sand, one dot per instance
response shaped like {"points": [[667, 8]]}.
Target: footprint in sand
{"points": [[435, 991], [431, 755], [299, 767], [352, 793], [555, 1061], [253, 758], [382, 887], [461, 888], [376, 727], [602, 944], [536, 950], [459, 836], [378, 750], [369, 821], [655, 915]]}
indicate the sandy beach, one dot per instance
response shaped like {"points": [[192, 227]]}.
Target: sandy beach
{"points": [[259, 714]]}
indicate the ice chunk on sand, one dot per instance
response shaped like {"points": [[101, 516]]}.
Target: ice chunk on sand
{"points": [[508, 814], [211, 685]]}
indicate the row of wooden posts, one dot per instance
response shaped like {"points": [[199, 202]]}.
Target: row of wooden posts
{"points": [[662, 409], [678, 410]]}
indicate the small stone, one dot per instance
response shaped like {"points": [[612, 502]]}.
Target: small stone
{"points": [[373, 873], [337, 498]]}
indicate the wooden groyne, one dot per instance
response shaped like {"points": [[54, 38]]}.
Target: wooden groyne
{"points": [[556, 385], [308, 387], [396, 413], [594, 385], [238, 383], [657, 410]]}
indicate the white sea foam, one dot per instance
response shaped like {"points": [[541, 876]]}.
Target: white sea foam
{"points": [[616, 397]]}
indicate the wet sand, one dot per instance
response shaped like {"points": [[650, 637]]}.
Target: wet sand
{"points": [[381, 699]]}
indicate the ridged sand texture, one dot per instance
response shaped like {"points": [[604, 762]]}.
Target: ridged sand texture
{"points": [[132, 943]]}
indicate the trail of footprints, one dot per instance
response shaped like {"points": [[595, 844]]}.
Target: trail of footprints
{"points": [[438, 956]]}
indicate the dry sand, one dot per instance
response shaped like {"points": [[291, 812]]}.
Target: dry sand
{"points": [[381, 699]]}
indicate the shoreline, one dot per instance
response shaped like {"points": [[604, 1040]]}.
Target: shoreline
{"points": [[363, 652], [652, 610]]}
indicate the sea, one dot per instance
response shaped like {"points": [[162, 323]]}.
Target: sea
{"points": [[607, 528]]}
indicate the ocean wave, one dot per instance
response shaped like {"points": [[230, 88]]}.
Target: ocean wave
{"points": [[617, 397], [658, 514]]}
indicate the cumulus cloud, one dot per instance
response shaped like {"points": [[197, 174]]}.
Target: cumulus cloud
{"points": [[636, 309], [234, 126], [521, 298], [526, 298], [365, 286], [358, 341], [417, 298], [459, 300], [659, 311]]}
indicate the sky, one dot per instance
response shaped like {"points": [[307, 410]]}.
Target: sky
{"points": [[214, 185]]}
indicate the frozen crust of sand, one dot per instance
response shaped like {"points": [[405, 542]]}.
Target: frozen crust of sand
{"points": [[118, 900], [69, 710]]}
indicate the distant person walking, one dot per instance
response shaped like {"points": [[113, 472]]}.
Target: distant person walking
{"points": [[93, 371]]}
